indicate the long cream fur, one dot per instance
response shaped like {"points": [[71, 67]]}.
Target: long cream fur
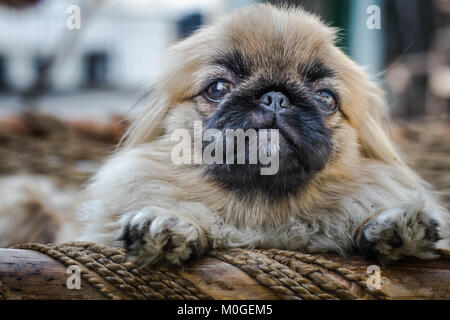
{"points": [[141, 187], [366, 197]]}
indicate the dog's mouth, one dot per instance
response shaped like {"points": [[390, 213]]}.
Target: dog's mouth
{"points": [[287, 139], [276, 136], [294, 142]]}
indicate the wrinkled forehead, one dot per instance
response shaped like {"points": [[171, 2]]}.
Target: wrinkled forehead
{"points": [[267, 43], [281, 44], [243, 65]]}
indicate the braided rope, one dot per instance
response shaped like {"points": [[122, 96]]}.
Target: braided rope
{"points": [[4, 291], [93, 278], [303, 263], [297, 272], [289, 274], [108, 270], [316, 274], [176, 286], [282, 280]]}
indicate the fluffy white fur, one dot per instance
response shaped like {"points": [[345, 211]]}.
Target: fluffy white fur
{"points": [[128, 190], [34, 209], [162, 212], [368, 199]]}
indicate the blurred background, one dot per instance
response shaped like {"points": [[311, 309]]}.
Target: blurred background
{"points": [[65, 92]]}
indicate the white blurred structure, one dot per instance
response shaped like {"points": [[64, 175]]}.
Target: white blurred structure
{"points": [[119, 45]]}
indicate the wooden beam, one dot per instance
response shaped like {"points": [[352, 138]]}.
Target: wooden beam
{"points": [[407, 279], [26, 274]]}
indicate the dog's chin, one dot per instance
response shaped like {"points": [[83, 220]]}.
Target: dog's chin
{"points": [[295, 172]]}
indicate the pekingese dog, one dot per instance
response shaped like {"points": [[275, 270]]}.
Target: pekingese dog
{"points": [[339, 183]]}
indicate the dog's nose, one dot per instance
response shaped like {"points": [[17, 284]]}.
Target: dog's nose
{"points": [[274, 101]]}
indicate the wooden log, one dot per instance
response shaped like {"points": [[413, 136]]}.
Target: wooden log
{"points": [[26, 274], [407, 279]]}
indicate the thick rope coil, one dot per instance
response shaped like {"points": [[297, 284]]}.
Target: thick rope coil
{"points": [[108, 270], [285, 282], [303, 262], [5, 292], [175, 284], [294, 275], [289, 274]]}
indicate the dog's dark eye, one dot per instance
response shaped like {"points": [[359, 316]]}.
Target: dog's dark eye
{"points": [[217, 90], [327, 99]]}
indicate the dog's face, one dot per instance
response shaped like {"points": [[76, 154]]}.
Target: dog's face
{"points": [[269, 68], [266, 87]]}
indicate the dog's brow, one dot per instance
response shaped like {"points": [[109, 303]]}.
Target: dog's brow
{"points": [[235, 62], [316, 71]]}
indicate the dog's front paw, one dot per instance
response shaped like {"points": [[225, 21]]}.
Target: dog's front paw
{"points": [[153, 237], [398, 233]]}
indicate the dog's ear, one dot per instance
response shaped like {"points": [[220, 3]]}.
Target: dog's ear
{"points": [[374, 128], [366, 109], [148, 123]]}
